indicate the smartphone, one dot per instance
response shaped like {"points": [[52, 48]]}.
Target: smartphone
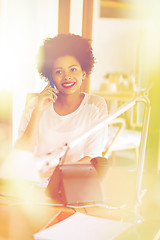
{"points": [[52, 84]]}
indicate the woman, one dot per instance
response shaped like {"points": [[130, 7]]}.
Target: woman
{"points": [[60, 115]]}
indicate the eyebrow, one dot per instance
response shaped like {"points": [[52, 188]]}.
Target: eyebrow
{"points": [[74, 65], [58, 68]]}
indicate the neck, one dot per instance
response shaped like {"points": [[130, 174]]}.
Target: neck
{"points": [[66, 104], [69, 99]]}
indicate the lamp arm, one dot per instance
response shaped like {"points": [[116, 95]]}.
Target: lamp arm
{"points": [[106, 120]]}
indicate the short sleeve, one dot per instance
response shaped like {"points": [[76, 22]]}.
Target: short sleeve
{"points": [[96, 142]]}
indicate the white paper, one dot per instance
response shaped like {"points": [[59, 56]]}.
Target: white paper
{"points": [[81, 226]]}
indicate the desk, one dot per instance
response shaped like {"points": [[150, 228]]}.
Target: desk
{"points": [[20, 217], [19, 222]]}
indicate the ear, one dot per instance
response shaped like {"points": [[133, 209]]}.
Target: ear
{"points": [[83, 75]]}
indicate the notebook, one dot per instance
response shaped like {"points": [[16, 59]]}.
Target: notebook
{"points": [[81, 226]]}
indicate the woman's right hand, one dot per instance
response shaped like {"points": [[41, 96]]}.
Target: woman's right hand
{"points": [[45, 98]]}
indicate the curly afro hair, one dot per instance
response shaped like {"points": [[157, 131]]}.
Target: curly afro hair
{"points": [[64, 44]]}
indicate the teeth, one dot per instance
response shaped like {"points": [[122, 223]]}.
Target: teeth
{"points": [[68, 84]]}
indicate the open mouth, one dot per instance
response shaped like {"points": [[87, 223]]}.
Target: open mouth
{"points": [[68, 84]]}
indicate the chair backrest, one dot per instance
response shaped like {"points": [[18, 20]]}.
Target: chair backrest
{"points": [[6, 108], [114, 133]]}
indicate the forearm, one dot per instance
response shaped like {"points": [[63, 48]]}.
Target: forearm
{"points": [[28, 140]]}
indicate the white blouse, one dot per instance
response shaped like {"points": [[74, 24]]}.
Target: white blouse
{"points": [[55, 130]]}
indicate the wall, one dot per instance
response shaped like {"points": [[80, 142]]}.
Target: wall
{"points": [[115, 43]]}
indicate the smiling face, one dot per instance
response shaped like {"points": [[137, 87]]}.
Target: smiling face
{"points": [[67, 74]]}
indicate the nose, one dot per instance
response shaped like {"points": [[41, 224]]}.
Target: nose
{"points": [[67, 76]]}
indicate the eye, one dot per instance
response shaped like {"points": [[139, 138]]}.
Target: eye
{"points": [[58, 72], [73, 69]]}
